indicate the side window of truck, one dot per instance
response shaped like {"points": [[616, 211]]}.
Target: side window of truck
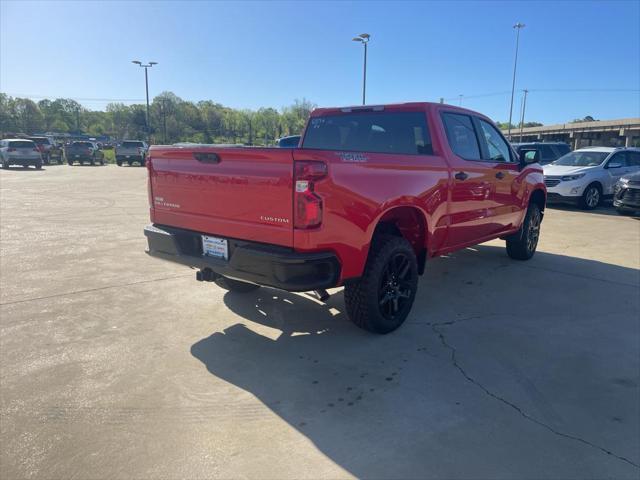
{"points": [[461, 135], [497, 149]]}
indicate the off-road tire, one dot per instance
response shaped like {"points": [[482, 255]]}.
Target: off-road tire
{"points": [[5, 165], [119, 163], [591, 197], [130, 162], [38, 166], [236, 285], [370, 300], [522, 244]]}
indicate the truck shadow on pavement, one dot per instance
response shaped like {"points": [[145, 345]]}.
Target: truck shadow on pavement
{"points": [[498, 360]]}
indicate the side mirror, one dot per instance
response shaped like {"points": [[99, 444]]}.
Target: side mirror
{"points": [[614, 165], [529, 156]]}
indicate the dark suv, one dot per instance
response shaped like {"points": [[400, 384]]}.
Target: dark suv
{"points": [[48, 149], [626, 194], [547, 151]]}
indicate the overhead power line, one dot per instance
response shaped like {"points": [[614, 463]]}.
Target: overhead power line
{"points": [[584, 89], [550, 90], [495, 94], [77, 99]]}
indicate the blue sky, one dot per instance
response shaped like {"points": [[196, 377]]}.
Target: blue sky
{"points": [[248, 55]]}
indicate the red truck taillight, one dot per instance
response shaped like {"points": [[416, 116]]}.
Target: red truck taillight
{"points": [[307, 205]]}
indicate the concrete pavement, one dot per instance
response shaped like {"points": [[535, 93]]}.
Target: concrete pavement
{"points": [[116, 365]]}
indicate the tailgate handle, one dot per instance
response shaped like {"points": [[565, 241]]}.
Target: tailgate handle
{"points": [[206, 157]]}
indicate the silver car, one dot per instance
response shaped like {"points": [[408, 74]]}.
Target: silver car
{"points": [[19, 151]]}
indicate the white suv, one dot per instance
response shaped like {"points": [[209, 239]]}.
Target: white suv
{"points": [[587, 175]]}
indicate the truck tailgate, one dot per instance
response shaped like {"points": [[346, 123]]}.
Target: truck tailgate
{"points": [[243, 193]]}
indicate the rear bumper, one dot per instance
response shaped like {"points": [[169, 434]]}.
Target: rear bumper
{"points": [[124, 158], [270, 265], [24, 160]]}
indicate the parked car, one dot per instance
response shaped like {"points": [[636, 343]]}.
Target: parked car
{"points": [[48, 149], [19, 151], [588, 175], [84, 151], [291, 141], [626, 194], [131, 151], [548, 151], [369, 195]]}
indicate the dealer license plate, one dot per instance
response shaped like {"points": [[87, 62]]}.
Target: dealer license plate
{"points": [[215, 247]]}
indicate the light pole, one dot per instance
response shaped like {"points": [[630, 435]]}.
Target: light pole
{"points": [[524, 107], [364, 39], [460, 97], [146, 83], [518, 26]]}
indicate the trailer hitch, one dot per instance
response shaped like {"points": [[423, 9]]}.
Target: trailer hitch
{"points": [[206, 275]]}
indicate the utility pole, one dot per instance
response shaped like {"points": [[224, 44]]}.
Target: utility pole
{"points": [[518, 26], [460, 97], [364, 39], [524, 106], [146, 83], [164, 120]]}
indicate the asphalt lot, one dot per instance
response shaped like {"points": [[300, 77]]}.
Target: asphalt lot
{"points": [[115, 365]]}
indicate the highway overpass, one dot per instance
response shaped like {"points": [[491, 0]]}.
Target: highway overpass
{"points": [[624, 132]]}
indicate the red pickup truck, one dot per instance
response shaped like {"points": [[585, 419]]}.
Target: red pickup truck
{"points": [[370, 194]]}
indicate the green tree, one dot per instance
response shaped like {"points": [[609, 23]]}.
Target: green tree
{"points": [[588, 118], [172, 120], [30, 119]]}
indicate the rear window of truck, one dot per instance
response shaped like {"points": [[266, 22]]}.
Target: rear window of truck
{"points": [[376, 132], [131, 144]]}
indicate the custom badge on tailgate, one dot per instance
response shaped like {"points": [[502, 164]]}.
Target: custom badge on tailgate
{"points": [[270, 219]]}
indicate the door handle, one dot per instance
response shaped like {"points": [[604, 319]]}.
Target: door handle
{"points": [[206, 157], [500, 175], [461, 176]]}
